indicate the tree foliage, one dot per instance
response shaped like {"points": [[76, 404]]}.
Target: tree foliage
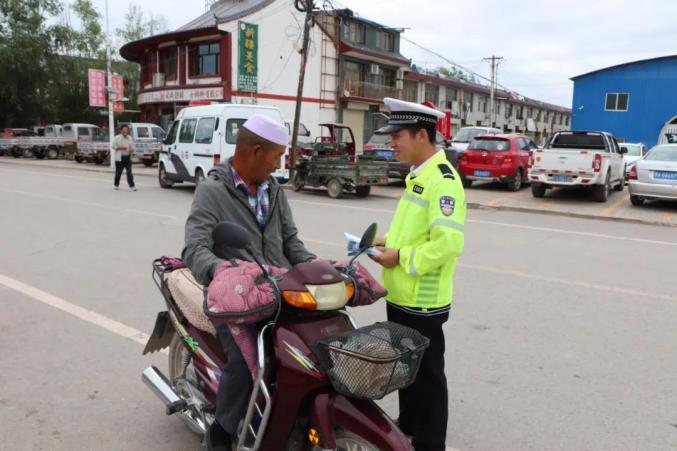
{"points": [[44, 59]]}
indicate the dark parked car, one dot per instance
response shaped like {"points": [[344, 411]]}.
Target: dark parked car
{"points": [[378, 148]]}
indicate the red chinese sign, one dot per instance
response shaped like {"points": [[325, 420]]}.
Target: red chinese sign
{"points": [[118, 83], [97, 88]]}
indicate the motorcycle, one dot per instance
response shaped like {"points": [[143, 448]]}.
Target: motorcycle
{"points": [[318, 373]]}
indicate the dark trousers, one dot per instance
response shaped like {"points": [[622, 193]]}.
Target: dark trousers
{"points": [[424, 405], [126, 163], [235, 386]]}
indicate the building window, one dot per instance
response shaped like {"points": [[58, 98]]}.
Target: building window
{"points": [[432, 93], [353, 77], [386, 77], [566, 121], [470, 102], [168, 63], [410, 91], [385, 41], [538, 115], [546, 116], [451, 95], [519, 112], [204, 59], [482, 104], [508, 110], [617, 101], [353, 32]]}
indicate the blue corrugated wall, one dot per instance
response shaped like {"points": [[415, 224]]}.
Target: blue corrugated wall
{"points": [[652, 86]]}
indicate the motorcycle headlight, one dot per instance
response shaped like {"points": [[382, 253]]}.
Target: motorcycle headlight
{"points": [[330, 297], [321, 297]]}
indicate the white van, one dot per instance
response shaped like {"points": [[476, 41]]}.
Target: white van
{"points": [[203, 136]]}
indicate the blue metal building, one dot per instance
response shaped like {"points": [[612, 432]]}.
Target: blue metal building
{"points": [[636, 101]]}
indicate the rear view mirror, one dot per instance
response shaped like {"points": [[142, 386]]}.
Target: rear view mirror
{"points": [[369, 236], [231, 235]]}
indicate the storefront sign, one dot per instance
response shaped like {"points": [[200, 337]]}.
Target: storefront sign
{"points": [[118, 83], [97, 87], [248, 64], [181, 95]]}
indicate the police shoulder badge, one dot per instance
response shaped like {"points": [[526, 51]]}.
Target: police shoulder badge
{"points": [[447, 205], [418, 189]]}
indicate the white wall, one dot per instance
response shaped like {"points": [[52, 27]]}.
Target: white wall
{"points": [[280, 29]]}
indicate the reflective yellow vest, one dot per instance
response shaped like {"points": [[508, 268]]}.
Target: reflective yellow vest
{"points": [[428, 231]]}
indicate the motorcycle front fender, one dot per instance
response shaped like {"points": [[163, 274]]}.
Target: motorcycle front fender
{"points": [[331, 411]]}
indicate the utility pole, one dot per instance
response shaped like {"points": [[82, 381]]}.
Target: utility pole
{"points": [[495, 61], [109, 92], [307, 7]]}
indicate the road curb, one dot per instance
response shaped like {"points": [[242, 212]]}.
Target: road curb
{"points": [[478, 206], [79, 167]]}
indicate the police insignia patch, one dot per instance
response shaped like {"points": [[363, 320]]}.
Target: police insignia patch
{"points": [[447, 205], [418, 189]]}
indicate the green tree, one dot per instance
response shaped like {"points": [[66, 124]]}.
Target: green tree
{"points": [[27, 44]]}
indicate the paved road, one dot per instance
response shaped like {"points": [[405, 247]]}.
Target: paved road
{"points": [[562, 334]]}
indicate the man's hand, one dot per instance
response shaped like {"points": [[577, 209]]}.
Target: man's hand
{"points": [[379, 241], [389, 258]]}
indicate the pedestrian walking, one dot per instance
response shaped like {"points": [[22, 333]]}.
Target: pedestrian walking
{"points": [[124, 146]]}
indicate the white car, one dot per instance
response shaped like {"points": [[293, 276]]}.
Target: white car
{"points": [[203, 136], [655, 175], [579, 158], [462, 140], [634, 151]]}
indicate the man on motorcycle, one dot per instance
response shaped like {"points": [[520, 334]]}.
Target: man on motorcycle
{"points": [[241, 190]]}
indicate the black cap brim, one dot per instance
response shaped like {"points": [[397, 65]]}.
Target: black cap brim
{"points": [[389, 129]]}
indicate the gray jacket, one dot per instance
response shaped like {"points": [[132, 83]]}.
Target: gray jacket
{"points": [[217, 200]]}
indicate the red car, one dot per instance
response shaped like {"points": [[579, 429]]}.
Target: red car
{"points": [[497, 158]]}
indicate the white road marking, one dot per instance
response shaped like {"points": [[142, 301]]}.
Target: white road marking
{"points": [[74, 177], [88, 204], [505, 224], [89, 316], [540, 277]]}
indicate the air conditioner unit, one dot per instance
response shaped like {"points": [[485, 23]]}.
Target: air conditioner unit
{"points": [[374, 69], [158, 80]]}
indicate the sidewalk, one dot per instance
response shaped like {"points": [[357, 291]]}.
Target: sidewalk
{"points": [[559, 202]]}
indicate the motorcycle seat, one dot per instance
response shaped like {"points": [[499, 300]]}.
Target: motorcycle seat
{"points": [[189, 296]]}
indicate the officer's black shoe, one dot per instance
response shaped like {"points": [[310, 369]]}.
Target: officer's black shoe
{"points": [[217, 438]]}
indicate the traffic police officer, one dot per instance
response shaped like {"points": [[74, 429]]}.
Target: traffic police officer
{"points": [[419, 257]]}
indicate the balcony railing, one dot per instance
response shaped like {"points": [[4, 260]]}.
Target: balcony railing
{"points": [[369, 90]]}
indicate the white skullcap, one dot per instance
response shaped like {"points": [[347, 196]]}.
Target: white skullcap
{"points": [[268, 129]]}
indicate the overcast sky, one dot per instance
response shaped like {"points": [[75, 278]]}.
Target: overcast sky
{"points": [[543, 43]]}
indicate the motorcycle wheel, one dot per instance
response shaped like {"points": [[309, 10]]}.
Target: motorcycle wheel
{"points": [[178, 355]]}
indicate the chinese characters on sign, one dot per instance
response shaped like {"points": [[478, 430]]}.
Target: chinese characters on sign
{"points": [[247, 72], [97, 88], [119, 86], [181, 95]]}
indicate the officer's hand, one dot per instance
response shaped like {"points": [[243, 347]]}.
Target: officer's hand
{"points": [[389, 258], [379, 241]]}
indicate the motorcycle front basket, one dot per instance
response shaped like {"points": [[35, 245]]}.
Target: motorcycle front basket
{"points": [[373, 361]]}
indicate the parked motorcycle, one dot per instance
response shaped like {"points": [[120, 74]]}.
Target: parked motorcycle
{"points": [[318, 374]]}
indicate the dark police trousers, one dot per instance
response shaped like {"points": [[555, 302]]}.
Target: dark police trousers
{"points": [[126, 164], [235, 387], [424, 406]]}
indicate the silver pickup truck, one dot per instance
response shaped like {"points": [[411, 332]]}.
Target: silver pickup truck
{"points": [[579, 158]]}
